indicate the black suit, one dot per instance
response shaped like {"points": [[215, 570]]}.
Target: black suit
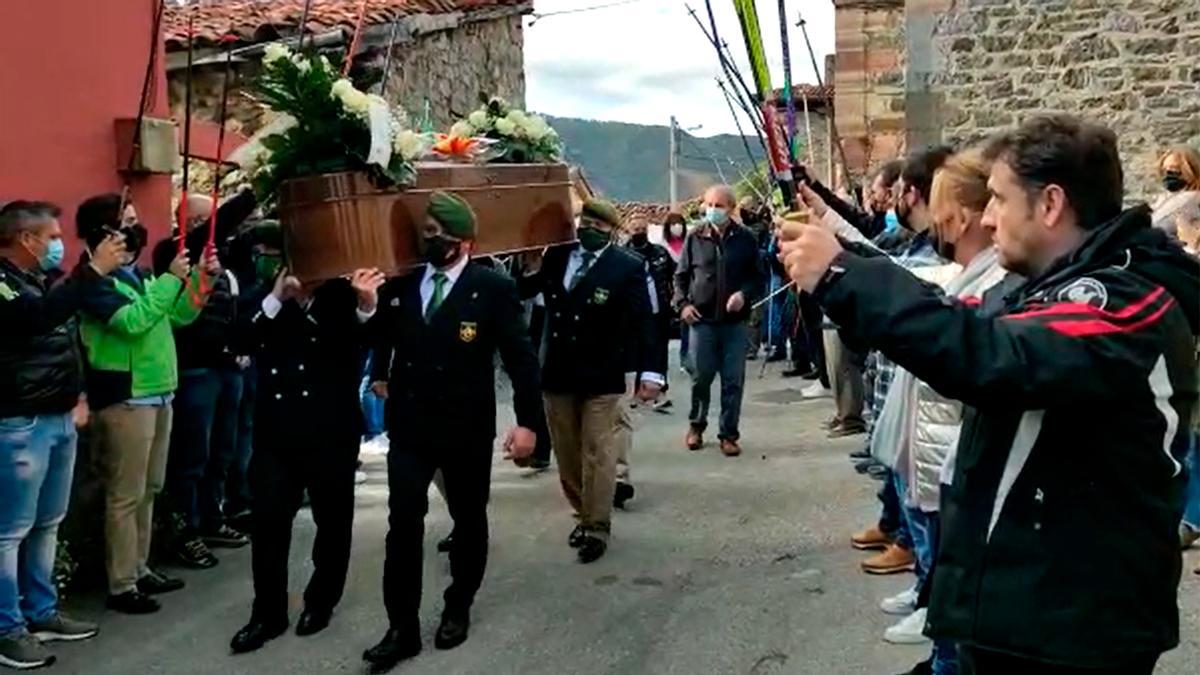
{"points": [[441, 414], [307, 427], [600, 329]]}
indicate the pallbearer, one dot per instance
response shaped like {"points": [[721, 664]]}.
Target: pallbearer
{"points": [[310, 346], [599, 329], [440, 329]]}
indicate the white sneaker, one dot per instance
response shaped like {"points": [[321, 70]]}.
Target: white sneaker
{"points": [[816, 390], [901, 604], [908, 630], [360, 477]]}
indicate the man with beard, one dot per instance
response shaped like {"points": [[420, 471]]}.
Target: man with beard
{"points": [[436, 341]]}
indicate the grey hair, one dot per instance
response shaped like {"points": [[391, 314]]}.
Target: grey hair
{"points": [[23, 216], [725, 192]]}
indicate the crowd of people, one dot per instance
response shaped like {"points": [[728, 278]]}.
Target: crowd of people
{"points": [[1017, 346]]}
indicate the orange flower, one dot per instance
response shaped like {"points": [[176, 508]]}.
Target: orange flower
{"points": [[454, 146]]}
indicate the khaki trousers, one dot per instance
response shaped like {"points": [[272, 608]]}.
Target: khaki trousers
{"points": [[625, 442], [132, 444], [586, 433]]}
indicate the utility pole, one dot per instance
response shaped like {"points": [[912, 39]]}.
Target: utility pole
{"points": [[674, 163]]}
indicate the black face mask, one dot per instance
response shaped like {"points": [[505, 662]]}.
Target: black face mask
{"points": [[943, 248], [902, 214], [1173, 181], [439, 251], [640, 239]]}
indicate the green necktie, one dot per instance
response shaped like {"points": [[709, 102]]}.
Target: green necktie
{"points": [[584, 266], [439, 294]]}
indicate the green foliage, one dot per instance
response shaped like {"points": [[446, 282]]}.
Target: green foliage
{"points": [[331, 132]]}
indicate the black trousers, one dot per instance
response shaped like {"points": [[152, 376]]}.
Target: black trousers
{"points": [[975, 661], [467, 472], [279, 474], [811, 318]]}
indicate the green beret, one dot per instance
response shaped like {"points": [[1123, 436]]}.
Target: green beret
{"points": [[455, 215], [598, 209]]}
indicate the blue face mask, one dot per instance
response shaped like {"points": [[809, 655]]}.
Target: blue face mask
{"points": [[892, 222], [53, 257], [716, 215]]}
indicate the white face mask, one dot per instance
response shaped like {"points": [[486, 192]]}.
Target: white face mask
{"points": [[677, 231]]}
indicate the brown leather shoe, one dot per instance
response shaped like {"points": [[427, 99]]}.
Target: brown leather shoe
{"points": [[694, 440], [730, 448], [831, 423], [894, 560], [871, 539]]}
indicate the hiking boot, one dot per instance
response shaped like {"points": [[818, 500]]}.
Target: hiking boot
{"points": [[894, 560], [224, 536], [22, 651], [694, 439], [871, 539], [730, 447], [62, 628], [192, 552]]}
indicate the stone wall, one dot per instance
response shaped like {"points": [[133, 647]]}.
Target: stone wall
{"points": [[869, 81], [1132, 64], [450, 68]]}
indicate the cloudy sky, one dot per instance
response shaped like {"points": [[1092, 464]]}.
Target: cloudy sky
{"points": [[643, 60]]}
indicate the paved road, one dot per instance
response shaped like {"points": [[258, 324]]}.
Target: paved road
{"points": [[720, 566]]}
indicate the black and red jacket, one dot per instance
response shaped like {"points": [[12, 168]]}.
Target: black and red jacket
{"points": [[1059, 533]]}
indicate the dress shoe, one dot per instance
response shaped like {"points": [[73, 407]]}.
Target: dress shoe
{"points": [[730, 447], [591, 549], [893, 560], [256, 634], [453, 630], [132, 602], [575, 539], [623, 493], [395, 647], [694, 439], [871, 539], [154, 582], [861, 454], [313, 621], [446, 544]]}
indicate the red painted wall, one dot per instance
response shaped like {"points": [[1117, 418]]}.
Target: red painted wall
{"points": [[68, 68]]}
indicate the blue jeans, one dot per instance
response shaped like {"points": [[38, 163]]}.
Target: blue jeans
{"points": [[892, 519], [924, 526], [37, 461], [1191, 508], [203, 443], [718, 347], [372, 405]]}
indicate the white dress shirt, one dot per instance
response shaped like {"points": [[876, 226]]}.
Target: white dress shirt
{"points": [[452, 274], [271, 306]]}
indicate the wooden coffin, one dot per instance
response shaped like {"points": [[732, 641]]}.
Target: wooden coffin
{"points": [[519, 206], [336, 223]]}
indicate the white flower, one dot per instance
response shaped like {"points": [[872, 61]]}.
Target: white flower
{"points": [[462, 129], [518, 117], [410, 145], [536, 128], [353, 100], [505, 126], [478, 119], [276, 51]]}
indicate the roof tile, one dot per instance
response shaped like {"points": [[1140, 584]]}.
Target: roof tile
{"points": [[263, 20]]}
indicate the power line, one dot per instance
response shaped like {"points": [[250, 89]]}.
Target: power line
{"points": [[539, 16]]}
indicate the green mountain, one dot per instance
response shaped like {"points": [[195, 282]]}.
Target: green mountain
{"points": [[628, 162]]}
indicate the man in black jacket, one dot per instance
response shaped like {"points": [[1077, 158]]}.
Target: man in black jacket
{"points": [[600, 328], [436, 340], [310, 349], [41, 385], [1059, 551], [717, 280]]}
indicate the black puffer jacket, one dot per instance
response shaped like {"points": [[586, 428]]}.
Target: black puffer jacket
{"points": [[210, 341], [1059, 533], [41, 365]]}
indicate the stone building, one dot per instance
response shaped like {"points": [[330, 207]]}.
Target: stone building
{"points": [[914, 72], [444, 53]]}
